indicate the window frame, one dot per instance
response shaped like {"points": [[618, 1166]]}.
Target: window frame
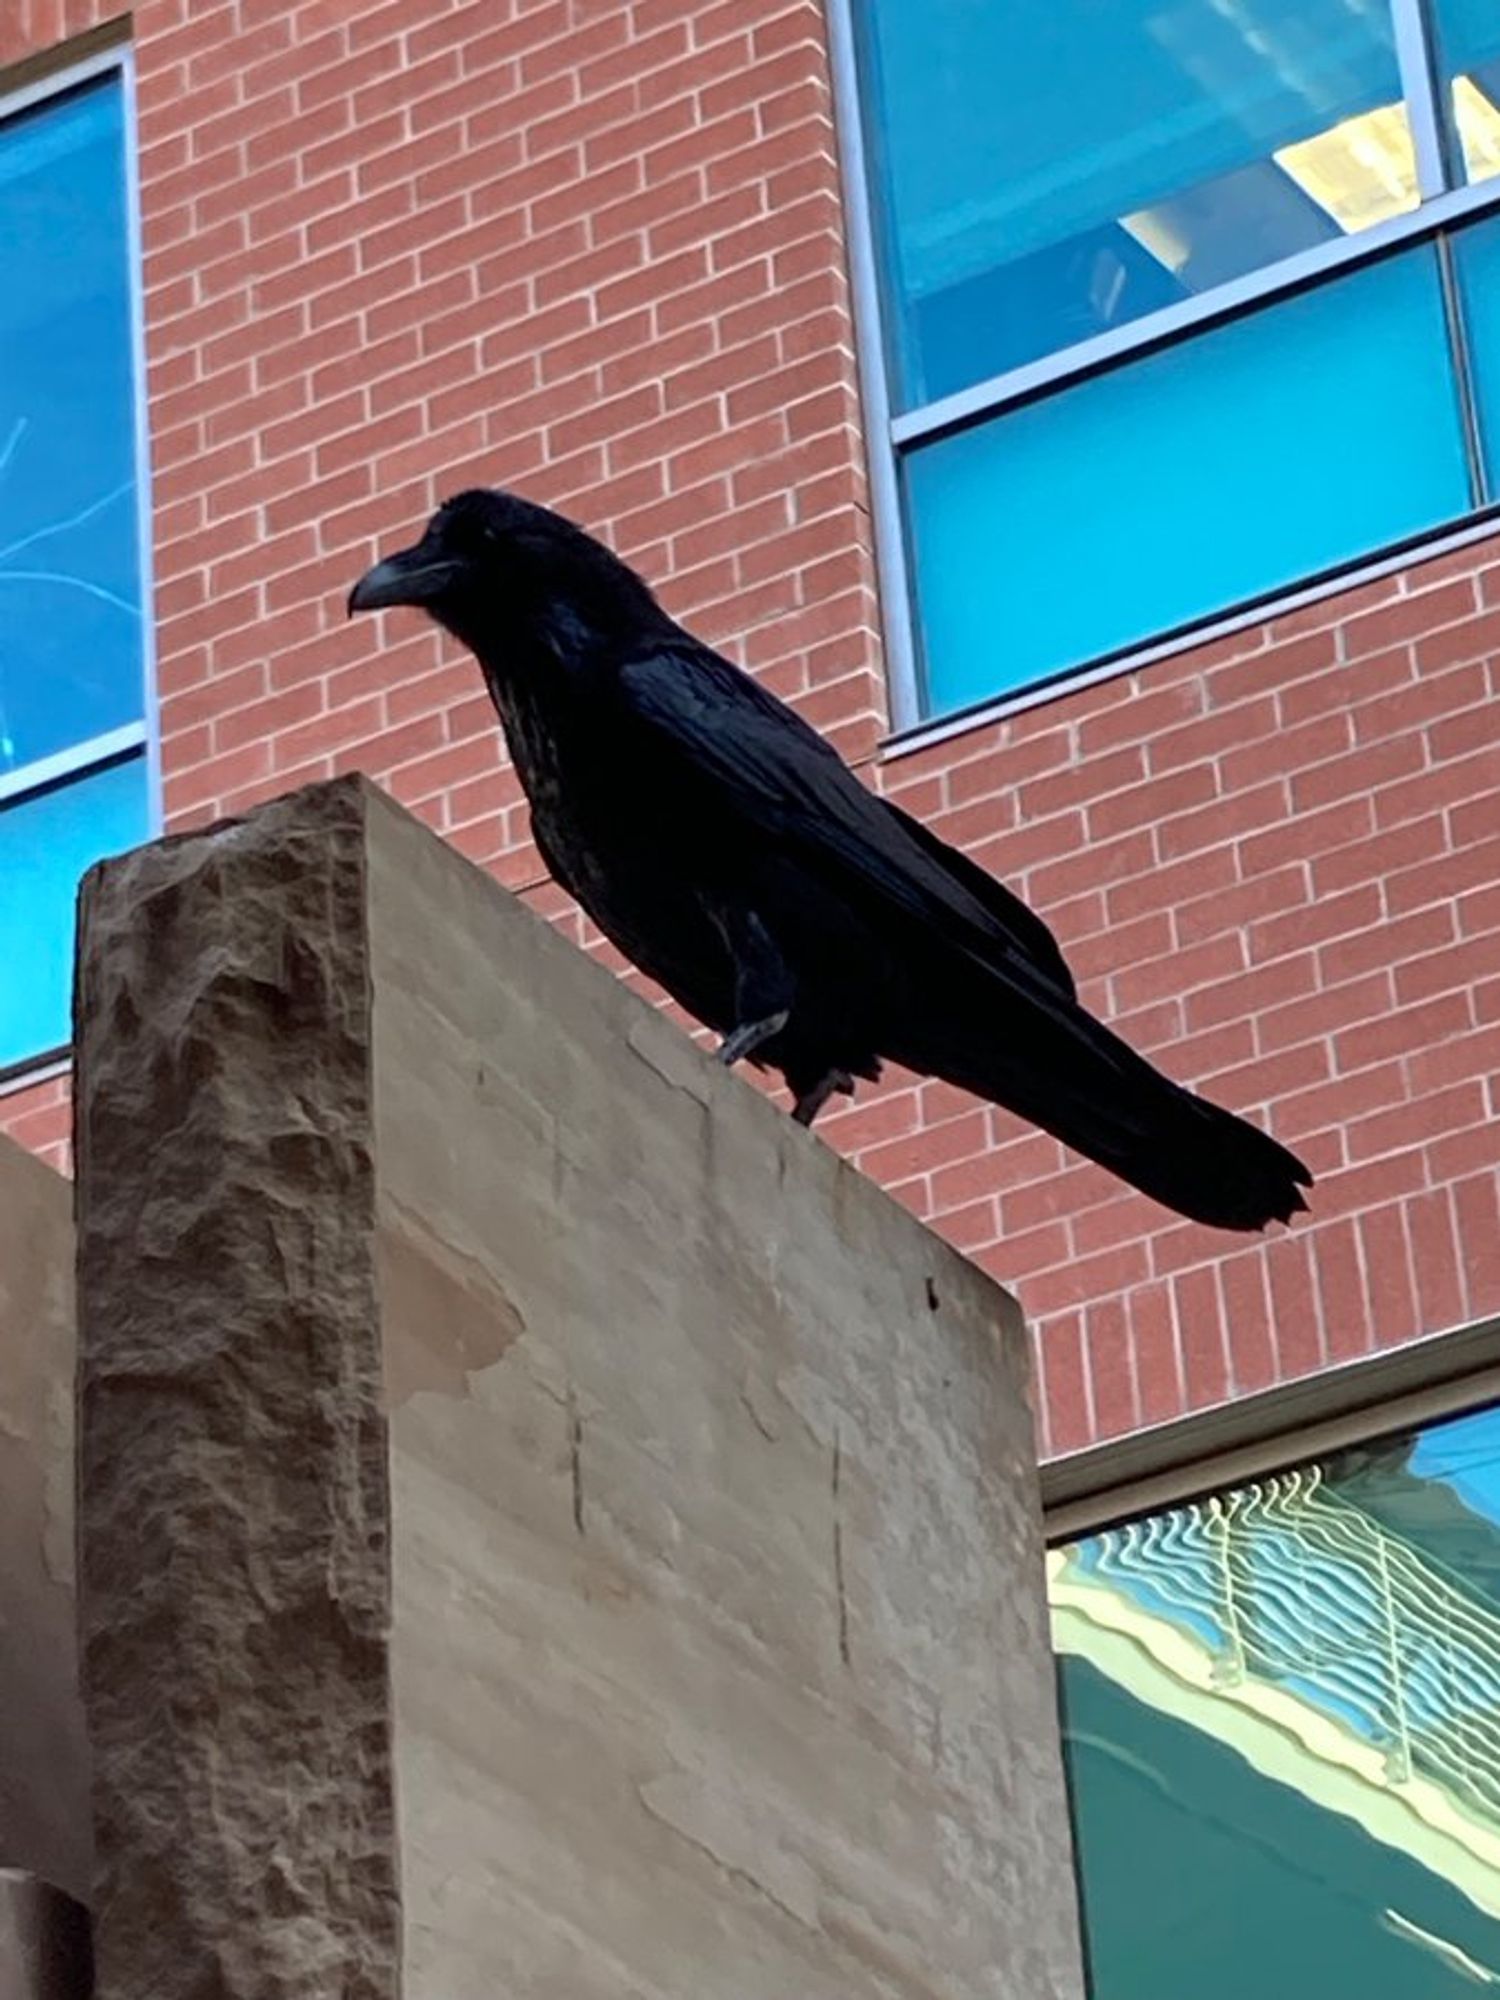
{"points": [[57, 73], [1235, 1442], [1399, 1393], [1445, 201]]}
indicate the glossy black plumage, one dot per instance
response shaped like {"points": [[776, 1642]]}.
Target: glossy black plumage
{"points": [[729, 852]]}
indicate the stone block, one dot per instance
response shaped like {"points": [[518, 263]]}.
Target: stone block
{"points": [[547, 1525], [44, 1786]]}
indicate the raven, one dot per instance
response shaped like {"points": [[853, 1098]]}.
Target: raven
{"points": [[728, 851]]}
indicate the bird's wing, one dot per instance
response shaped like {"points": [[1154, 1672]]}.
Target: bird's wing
{"points": [[1039, 1053], [785, 780], [1013, 917]]}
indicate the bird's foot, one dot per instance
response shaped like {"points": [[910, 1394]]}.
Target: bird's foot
{"points": [[838, 1082], [750, 1036]]}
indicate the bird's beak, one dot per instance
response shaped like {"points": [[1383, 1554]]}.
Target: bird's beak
{"points": [[412, 576]]}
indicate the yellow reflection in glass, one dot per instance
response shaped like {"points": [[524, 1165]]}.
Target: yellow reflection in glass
{"points": [[1478, 129], [1360, 172]]}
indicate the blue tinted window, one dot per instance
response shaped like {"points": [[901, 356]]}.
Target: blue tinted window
{"points": [[1469, 53], [70, 587], [1232, 464], [1286, 1696], [72, 637], [1477, 257], [1055, 168], [47, 840]]}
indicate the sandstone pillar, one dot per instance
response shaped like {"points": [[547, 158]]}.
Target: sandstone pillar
{"points": [[547, 1527]]}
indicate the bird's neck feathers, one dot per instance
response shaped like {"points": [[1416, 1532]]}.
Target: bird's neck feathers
{"points": [[575, 634]]}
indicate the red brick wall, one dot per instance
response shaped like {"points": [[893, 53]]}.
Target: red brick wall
{"points": [[393, 250], [1275, 864], [595, 252]]}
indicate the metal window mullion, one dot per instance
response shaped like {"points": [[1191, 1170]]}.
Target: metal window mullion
{"points": [[53, 82], [144, 509], [1456, 326], [897, 603], [73, 762], [1171, 323], [1439, 167]]}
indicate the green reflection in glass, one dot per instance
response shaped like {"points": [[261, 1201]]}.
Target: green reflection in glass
{"points": [[1281, 1711]]}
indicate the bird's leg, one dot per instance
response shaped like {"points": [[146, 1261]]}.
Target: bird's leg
{"points": [[763, 986], [749, 1036], [811, 1102]]}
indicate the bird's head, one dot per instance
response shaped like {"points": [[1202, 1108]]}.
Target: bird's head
{"points": [[498, 571]]}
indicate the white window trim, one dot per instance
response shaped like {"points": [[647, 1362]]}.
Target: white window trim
{"points": [[1441, 1375], [118, 57], [1443, 205]]}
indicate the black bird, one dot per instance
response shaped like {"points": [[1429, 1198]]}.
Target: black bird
{"points": [[732, 855]]}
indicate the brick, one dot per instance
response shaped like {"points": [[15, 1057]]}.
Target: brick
{"points": [[1076, 1282], [1341, 1292], [1387, 943], [1157, 1361], [1390, 1297], [1350, 1189], [926, 1149], [1435, 1267], [1295, 1319], [1205, 1357], [1408, 618], [1247, 1321], [1241, 679], [1410, 1125], [1200, 965], [1111, 1365], [1068, 1418], [1322, 1105], [1370, 767], [1476, 1211], [1347, 686], [1378, 857], [1433, 790], [1246, 992], [1444, 967]]}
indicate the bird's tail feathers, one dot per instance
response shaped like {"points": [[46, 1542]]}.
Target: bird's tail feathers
{"points": [[1080, 1082]]}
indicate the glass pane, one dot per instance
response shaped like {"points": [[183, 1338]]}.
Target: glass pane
{"points": [[47, 840], [1476, 254], [1054, 168], [1469, 45], [1232, 464], [1288, 1696], [70, 592]]}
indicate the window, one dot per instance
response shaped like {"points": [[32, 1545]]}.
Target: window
{"points": [[1287, 1695], [1185, 302], [73, 764]]}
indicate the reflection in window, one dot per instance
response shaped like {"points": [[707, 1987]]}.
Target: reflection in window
{"points": [[1469, 52], [72, 657], [1288, 1697], [1054, 170], [1214, 470]]}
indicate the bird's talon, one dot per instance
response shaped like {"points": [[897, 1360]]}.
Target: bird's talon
{"points": [[749, 1036]]}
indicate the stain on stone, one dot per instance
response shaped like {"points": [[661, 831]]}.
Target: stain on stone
{"points": [[447, 1315], [575, 1456], [838, 1551]]}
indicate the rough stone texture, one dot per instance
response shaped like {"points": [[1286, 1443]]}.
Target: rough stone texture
{"points": [[44, 1941], [717, 1659], [232, 1530], [44, 1811]]}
